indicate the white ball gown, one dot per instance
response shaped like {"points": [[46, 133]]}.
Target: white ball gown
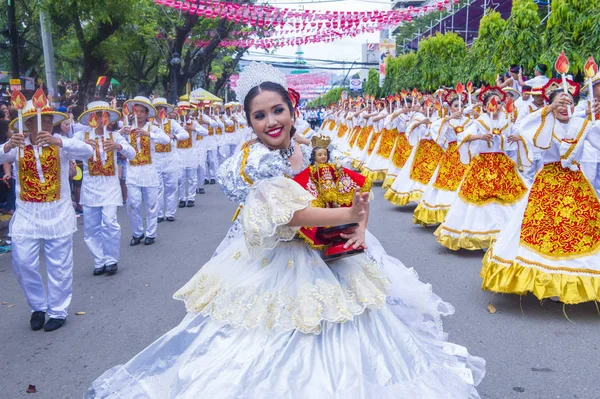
{"points": [[268, 318]]}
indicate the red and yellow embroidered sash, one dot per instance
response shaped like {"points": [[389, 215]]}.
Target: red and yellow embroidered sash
{"points": [[95, 168], [165, 147], [32, 189], [144, 155], [187, 143]]}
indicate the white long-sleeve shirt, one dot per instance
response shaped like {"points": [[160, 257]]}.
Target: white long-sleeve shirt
{"points": [[44, 208], [142, 169]]}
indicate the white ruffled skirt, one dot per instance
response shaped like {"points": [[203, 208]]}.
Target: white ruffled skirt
{"points": [[287, 325]]}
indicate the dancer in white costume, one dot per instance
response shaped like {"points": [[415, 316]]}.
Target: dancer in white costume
{"points": [[101, 190], [268, 318]]}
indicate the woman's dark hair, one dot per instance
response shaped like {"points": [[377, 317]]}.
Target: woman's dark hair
{"points": [[269, 86], [542, 68], [4, 131], [555, 93]]}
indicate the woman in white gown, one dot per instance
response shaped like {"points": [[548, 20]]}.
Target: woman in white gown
{"points": [[268, 318]]}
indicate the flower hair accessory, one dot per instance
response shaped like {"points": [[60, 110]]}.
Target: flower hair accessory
{"points": [[255, 74]]}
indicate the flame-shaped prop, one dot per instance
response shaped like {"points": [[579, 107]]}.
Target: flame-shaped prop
{"points": [[162, 114], [509, 107], [460, 88], [39, 100], [428, 102], [93, 121], [492, 105], [562, 64], [126, 111], [403, 93], [18, 100], [415, 92], [590, 68], [469, 87], [437, 105], [105, 118]]}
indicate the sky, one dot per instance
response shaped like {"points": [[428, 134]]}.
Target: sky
{"points": [[348, 49]]}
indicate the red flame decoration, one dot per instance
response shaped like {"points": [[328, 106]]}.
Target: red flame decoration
{"points": [[105, 118], [510, 105], [460, 88], [125, 110], [18, 100], [93, 121], [39, 99], [428, 102], [469, 87], [437, 105], [492, 105], [403, 93], [562, 64], [590, 68], [162, 114], [415, 92]]}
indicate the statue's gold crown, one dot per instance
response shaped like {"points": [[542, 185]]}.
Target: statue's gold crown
{"points": [[320, 141]]}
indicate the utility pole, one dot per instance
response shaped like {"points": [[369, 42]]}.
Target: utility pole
{"points": [[48, 58], [14, 40]]}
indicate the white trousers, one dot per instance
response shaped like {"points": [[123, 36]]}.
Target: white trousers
{"points": [[102, 234], [135, 196], [212, 164], [167, 193], [58, 253], [223, 153], [189, 176]]}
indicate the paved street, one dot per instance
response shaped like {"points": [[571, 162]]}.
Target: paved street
{"points": [[532, 350]]}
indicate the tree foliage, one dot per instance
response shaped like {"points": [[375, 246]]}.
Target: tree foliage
{"points": [[371, 87], [331, 97], [522, 41], [440, 59], [573, 27]]}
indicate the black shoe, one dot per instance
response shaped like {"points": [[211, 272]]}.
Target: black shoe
{"points": [[201, 191], [149, 241], [190, 204], [112, 269], [212, 181], [170, 218], [182, 204], [37, 320], [160, 220], [99, 271], [53, 324], [206, 181], [136, 240]]}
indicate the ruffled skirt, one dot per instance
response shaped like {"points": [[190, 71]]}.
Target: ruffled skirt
{"points": [[416, 174], [551, 246], [489, 194], [398, 158], [287, 325]]}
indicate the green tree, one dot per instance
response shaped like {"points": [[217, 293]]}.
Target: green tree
{"points": [[440, 60], [372, 85], [522, 38], [330, 97], [481, 63], [573, 27]]}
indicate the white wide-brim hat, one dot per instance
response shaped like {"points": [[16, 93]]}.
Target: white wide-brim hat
{"points": [[31, 112], [99, 106], [144, 102], [162, 102]]}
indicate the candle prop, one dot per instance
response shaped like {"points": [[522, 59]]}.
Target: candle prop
{"points": [[126, 115], [562, 66], [398, 98], [19, 102], [492, 108], [93, 123], [39, 101], [460, 89], [414, 95], [427, 105], [105, 123], [509, 107], [469, 91], [404, 94], [591, 69]]}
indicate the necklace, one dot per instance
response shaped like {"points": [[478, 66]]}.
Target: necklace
{"points": [[286, 153]]}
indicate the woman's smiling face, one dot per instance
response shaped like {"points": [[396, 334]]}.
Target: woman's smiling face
{"points": [[271, 119]]}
